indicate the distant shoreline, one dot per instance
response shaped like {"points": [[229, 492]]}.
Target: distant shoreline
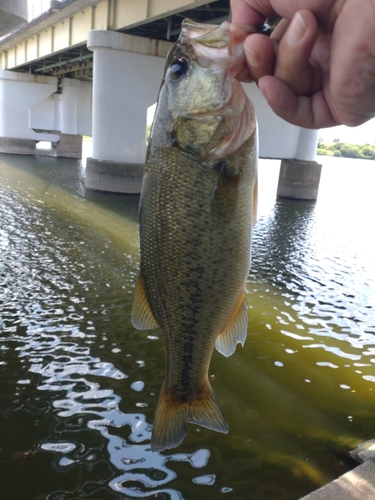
{"points": [[345, 150]]}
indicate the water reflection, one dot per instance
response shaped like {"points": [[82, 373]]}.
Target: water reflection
{"points": [[281, 241], [325, 282], [68, 369], [72, 371]]}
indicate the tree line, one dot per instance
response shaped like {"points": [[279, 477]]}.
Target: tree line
{"points": [[337, 148]]}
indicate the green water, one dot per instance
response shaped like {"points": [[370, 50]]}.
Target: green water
{"points": [[79, 385]]}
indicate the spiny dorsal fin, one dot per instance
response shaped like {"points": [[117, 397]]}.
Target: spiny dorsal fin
{"points": [[142, 317], [236, 330]]}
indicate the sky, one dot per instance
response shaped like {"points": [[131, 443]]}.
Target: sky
{"points": [[363, 134]]}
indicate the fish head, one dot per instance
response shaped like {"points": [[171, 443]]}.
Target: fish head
{"points": [[202, 106]]}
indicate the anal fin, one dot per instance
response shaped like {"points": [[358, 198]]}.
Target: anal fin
{"points": [[142, 317], [236, 330]]}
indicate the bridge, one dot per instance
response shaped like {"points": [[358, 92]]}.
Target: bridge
{"points": [[94, 67]]}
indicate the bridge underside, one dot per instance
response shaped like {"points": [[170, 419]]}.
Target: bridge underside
{"points": [[61, 48]]}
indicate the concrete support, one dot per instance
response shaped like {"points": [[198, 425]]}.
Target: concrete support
{"points": [[299, 172], [17, 146], [68, 146], [114, 177], [277, 138], [68, 115], [125, 84], [32, 111], [19, 92], [76, 107], [300, 177]]}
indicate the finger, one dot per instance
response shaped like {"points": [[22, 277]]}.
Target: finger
{"points": [[353, 65], [293, 65], [260, 57], [244, 13], [303, 111], [279, 31]]}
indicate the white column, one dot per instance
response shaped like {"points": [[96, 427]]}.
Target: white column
{"points": [[296, 147], [126, 79], [19, 92], [300, 177], [125, 84], [69, 112], [277, 138], [307, 144], [76, 107]]}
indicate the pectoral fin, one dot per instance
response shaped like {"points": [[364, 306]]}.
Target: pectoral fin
{"points": [[236, 330], [225, 196], [142, 317]]}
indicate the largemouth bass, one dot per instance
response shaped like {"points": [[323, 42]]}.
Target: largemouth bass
{"points": [[197, 208]]}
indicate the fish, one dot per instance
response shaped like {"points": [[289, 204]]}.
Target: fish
{"points": [[196, 212]]}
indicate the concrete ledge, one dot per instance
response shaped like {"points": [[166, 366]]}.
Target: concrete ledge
{"points": [[69, 146], [114, 177], [358, 484], [299, 179], [17, 146]]}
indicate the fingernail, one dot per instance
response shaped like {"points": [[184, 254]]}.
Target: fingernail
{"points": [[252, 57], [296, 29], [262, 88]]}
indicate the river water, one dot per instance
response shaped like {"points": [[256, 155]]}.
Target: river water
{"points": [[79, 385]]}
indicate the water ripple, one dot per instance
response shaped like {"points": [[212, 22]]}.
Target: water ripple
{"points": [[79, 384]]}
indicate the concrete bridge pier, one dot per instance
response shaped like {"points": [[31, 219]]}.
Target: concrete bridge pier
{"points": [[33, 109], [299, 178], [75, 117], [126, 77], [18, 93], [67, 115], [295, 146]]}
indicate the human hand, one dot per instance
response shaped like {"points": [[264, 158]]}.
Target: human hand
{"points": [[318, 67]]}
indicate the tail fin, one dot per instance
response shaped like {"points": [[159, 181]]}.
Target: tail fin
{"points": [[171, 418]]}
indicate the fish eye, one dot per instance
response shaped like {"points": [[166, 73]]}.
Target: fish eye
{"points": [[178, 68]]}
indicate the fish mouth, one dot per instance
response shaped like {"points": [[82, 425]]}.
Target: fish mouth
{"points": [[216, 35], [223, 42]]}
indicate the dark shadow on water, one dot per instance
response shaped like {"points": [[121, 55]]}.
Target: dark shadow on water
{"points": [[69, 174], [279, 242]]}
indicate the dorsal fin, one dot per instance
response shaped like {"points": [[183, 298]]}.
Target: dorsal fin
{"points": [[142, 317]]}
